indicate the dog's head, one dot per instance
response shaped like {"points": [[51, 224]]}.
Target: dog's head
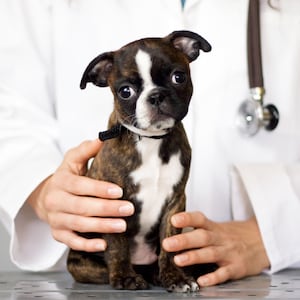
{"points": [[150, 80]]}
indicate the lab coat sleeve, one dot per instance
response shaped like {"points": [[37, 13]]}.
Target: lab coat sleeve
{"points": [[272, 193], [29, 137]]}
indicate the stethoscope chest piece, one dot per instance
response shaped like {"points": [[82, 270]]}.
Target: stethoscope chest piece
{"points": [[252, 116], [247, 119]]}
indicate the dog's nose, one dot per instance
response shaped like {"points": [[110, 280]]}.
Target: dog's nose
{"points": [[156, 98]]}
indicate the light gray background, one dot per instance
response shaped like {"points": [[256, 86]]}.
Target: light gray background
{"points": [[5, 263]]}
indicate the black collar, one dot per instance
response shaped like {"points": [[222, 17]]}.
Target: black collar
{"points": [[117, 130]]}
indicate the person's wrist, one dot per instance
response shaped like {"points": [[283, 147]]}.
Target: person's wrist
{"points": [[34, 199]]}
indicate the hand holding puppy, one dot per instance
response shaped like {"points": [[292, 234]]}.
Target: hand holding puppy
{"points": [[69, 201], [236, 247]]}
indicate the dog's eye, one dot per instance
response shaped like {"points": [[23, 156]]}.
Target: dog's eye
{"points": [[126, 92], [178, 77]]}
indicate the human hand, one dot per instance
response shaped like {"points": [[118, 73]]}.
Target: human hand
{"points": [[70, 202], [236, 247]]}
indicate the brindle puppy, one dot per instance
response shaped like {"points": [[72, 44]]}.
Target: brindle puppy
{"points": [[146, 152]]}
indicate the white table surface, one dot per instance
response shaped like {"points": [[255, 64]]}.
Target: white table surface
{"points": [[23, 286]]}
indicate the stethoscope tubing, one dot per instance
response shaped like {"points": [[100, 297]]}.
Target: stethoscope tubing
{"points": [[254, 56]]}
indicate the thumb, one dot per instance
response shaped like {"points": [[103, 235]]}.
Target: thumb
{"points": [[77, 157]]}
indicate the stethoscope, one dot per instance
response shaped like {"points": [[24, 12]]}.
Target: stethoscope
{"points": [[252, 113]]}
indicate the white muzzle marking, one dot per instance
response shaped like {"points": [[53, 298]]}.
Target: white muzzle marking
{"points": [[143, 114]]}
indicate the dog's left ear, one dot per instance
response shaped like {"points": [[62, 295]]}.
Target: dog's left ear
{"points": [[98, 70], [190, 43]]}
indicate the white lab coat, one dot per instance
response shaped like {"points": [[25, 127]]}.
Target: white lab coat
{"points": [[44, 49]]}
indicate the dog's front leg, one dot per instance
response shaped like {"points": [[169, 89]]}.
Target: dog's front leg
{"points": [[121, 273], [171, 276]]}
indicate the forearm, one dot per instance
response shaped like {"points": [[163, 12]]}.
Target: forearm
{"points": [[35, 199], [29, 154], [274, 198]]}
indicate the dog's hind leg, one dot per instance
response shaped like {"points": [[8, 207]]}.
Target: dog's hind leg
{"points": [[87, 267]]}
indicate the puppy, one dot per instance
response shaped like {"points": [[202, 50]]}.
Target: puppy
{"points": [[146, 152]]}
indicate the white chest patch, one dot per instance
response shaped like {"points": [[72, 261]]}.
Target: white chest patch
{"points": [[156, 181]]}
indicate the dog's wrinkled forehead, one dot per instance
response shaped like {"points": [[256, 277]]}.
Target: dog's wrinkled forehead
{"points": [[145, 55]]}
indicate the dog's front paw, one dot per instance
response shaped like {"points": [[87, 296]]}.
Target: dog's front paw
{"points": [[129, 282], [183, 287], [178, 282]]}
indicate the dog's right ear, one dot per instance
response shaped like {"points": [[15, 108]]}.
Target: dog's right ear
{"points": [[98, 70]]}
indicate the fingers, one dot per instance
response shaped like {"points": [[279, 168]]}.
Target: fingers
{"points": [[192, 219], [76, 242], [193, 239], [87, 224], [221, 275], [64, 227], [82, 186], [203, 236], [198, 256], [95, 207], [65, 193], [79, 155]]}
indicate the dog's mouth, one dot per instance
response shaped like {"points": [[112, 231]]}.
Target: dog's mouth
{"points": [[154, 115], [152, 126], [156, 120]]}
